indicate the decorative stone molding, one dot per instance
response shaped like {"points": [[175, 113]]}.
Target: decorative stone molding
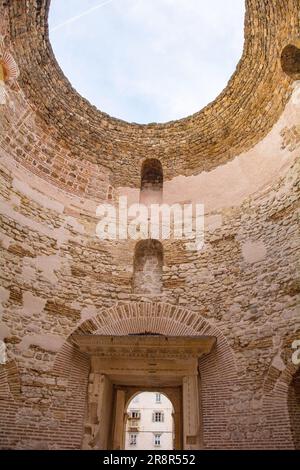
{"points": [[121, 362], [9, 70], [158, 347]]}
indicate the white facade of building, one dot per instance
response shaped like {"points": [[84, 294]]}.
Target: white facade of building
{"points": [[150, 423]]}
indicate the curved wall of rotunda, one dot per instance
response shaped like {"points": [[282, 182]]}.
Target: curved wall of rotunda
{"points": [[60, 158]]}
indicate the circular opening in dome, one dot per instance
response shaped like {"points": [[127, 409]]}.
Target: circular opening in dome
{"points": [[290, 61], [148, 61]]}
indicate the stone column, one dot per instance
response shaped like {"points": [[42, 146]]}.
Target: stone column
{"points": [[118, 436], [177, 425], [191, 413], [99, 412]]}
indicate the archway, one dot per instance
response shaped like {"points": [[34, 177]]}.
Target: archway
{"points": [[150, 423], [217, 370], [124, 365], [282, 403]]}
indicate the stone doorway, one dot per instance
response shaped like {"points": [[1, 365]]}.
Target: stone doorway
{"points": [[122, 366]]}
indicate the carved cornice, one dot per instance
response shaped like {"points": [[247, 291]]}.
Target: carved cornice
{"points": [[144, 346]]}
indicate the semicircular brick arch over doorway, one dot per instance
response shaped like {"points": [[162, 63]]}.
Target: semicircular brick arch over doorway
{"points": [[278, 395], [217, 370]]}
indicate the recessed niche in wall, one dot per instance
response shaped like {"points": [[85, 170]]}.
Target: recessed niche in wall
{"points": [[290, 61], [152, 180], [9, 71], [148, 265]]}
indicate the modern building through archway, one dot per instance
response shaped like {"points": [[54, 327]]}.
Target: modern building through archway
{"points": [[150, 422]]}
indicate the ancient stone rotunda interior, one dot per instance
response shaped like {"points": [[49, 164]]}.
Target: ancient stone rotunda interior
{"points": [[87, 323]]}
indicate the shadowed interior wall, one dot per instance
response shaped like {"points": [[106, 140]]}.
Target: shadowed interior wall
{"points": [[294, 408], [290, 60]]}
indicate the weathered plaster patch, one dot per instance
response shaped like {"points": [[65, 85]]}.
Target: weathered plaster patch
{"points": [[254, 251], [45, 265], [15, 200], [37, 196], [47, 342], [213, 222], [32, 305], [88, 312], [278, 363], [62, 235], [28, 272], [4, 296], [4, 331], [72, 222], [5, 241]]}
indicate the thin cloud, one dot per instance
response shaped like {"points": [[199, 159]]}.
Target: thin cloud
{"points": [[80, 16]]}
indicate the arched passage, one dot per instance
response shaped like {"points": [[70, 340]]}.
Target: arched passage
{"points": [[150, 421], [217, 370], [281, 403]]}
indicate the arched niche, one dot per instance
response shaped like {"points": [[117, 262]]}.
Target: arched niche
{"points": [[152, 180], [290, 60], [218, 369], [148, 267]]}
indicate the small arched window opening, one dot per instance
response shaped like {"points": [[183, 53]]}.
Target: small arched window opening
{"points": [[290, 61], [148, 266], [151, 182]]}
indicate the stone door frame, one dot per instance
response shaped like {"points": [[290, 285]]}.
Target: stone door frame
{"points": [[121, 366]]}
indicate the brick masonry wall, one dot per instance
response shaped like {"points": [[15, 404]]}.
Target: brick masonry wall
{"points": [[294, 408], [235, 122], [52, 280]]}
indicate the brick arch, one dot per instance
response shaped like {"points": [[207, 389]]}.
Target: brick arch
{"points": [[275, 403], [4, 388], [142, 317], [10, 398], [218, 370], [10, 382]]}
